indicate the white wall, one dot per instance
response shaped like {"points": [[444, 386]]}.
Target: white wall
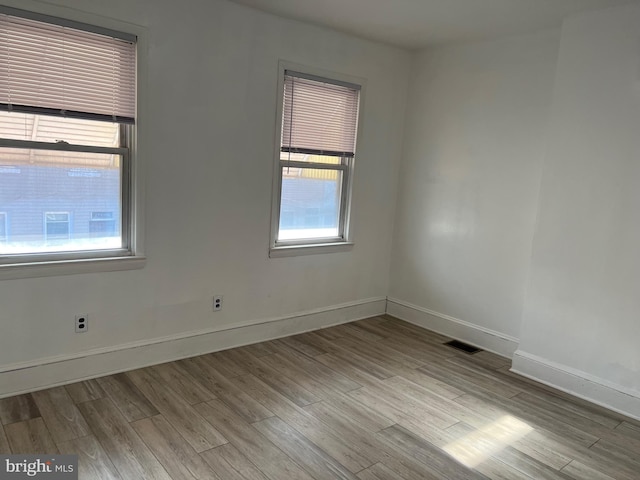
{"points": [[581, 319], [473, 150], [211, 120]]}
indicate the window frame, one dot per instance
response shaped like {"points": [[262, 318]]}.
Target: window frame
{"points": [[307, 246], [131, 255], [124, 151], [46, 223], [345, 168]]}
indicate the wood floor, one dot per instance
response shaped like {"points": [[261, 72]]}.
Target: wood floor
{"points": [[378, 399]]}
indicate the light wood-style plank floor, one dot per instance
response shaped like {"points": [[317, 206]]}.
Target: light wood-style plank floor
{"points": [[377, 399]]}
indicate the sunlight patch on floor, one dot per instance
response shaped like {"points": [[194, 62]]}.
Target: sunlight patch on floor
{"points": [[476, 447]]}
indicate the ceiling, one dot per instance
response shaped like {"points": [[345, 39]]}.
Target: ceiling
{"points": [[419, 23]]}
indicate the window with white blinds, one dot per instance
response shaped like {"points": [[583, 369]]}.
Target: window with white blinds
{"points": [[55, 69], [317, 135], [67, 127]]}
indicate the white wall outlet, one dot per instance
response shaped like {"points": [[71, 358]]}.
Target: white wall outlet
{"points": [[217, 303], [82, 323]]}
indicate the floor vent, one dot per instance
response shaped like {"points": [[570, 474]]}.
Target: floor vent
{"points": [[465, 347]]}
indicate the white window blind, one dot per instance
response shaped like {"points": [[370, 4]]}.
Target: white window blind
{"points": [[319, 117], [47, 68]]}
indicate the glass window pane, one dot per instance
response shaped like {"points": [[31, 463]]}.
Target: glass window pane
{"points": [[305, 157], [43, 128], [55, 199], [310, 204]]}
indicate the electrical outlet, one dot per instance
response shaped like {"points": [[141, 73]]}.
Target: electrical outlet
{"points": [[82, 323], [217, 303]]}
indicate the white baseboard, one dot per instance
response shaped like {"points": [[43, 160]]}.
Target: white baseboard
{"points": [[577, 383], [53, 371], [484, 338]]}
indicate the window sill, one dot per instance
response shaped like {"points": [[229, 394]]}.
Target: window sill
{"points": [[309, 249], [70, 267]]}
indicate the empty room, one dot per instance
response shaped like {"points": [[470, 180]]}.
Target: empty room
{"points": [[338, 239]]}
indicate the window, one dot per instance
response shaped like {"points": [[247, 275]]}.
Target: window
{"points": [[67, 122], [317, 139], [56, 228], [102, 224]]}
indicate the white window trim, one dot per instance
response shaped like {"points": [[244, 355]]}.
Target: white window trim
{"points": [[311, 246], [138, 147]]}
